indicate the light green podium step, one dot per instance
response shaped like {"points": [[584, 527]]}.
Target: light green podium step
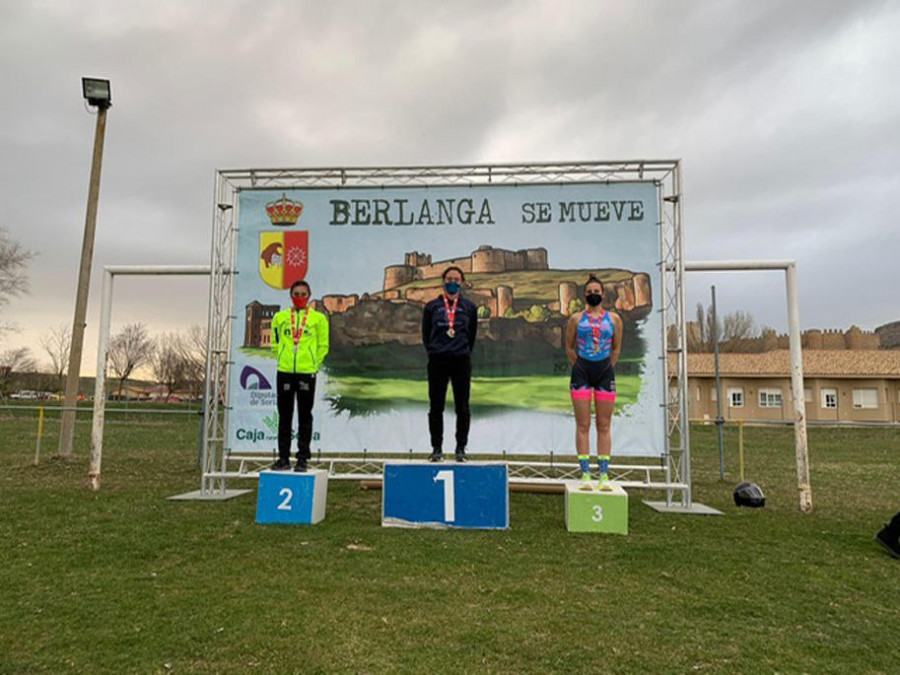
{"points": [[596, 511]]}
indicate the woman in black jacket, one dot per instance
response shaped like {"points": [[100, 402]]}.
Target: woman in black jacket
{"points": [[449, 327]]}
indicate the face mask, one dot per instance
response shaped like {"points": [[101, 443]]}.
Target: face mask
{"points": [[300, 303], [593, 299], [451, 287]]}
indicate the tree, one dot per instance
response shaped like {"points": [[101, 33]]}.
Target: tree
{"points": [[193, 354], [735, 331], [167, 363], [13, 280], [57, 344], [737, 328], [129, 349], [537, 313], [179, 361], [14, 361]]}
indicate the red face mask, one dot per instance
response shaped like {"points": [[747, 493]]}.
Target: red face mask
{"points": [[300, 303]]}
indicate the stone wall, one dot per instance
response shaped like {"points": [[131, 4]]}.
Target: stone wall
{"points": [[339, 303], [889, 334], [418, 266], [813, 339]]}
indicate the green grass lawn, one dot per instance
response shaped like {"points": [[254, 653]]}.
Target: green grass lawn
{"points": [[124, 581], [535, 392]]}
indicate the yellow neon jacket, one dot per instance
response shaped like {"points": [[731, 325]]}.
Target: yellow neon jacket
{"points": [[313, 346]]}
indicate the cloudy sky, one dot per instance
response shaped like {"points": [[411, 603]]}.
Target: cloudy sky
{"points": [[785, 114]]}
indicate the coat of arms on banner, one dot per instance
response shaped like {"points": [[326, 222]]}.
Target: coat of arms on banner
{"points": [[283, 257]]}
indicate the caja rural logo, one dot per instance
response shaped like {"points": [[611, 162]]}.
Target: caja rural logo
{"points": [[283, 255]]}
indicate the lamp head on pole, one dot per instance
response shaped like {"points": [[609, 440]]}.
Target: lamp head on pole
{"points": [[96, 92]]}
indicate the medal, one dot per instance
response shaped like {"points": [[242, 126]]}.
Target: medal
{"points": [[595, 330], [451, 314], [297, 333]]}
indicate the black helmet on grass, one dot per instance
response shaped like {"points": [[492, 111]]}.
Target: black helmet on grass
{"points": [[749, 494]]}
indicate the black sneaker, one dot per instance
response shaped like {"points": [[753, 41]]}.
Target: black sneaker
{"points": [[301, 466], [461, 455], [435, 456], [281, 465], [890, 541]]}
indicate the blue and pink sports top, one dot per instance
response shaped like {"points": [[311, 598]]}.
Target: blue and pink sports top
{"points": [[594, 338]]}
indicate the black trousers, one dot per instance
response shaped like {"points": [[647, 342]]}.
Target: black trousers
{"points": [[302, 388], [457, 370], [894, 526]]}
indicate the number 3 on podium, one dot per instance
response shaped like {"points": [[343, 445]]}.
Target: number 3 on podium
{"points": [[446, 477]]}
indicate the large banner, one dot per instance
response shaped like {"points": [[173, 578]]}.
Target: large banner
{"points": [[375, 256]]}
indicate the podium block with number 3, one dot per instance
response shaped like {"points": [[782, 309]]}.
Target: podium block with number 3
{"points": [[421, 494], [596, 511], [291, 498]]}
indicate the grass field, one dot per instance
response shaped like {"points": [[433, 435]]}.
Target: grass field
{"points": [[124, 581], [523, 392]]}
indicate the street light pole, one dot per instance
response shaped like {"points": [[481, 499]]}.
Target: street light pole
{"points": [[100, 98]]}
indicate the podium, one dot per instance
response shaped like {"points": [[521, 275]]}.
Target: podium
{"points": [[445, 495], [291, 498], [595, 510]]}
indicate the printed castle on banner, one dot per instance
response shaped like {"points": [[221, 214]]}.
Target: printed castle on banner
{"points": [[395, 311]]}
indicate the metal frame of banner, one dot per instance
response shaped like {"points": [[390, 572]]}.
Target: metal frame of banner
{"points": [[674, 469]]}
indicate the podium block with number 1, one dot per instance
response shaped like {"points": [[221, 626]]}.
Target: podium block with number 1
{"points": [[422, 494]]}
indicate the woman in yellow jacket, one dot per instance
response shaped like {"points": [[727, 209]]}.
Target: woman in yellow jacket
{"points": [[300, 343]]}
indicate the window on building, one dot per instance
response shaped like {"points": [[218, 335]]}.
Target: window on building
{"points": [[735, 397], [807, 395], [770, 398], [829, 398], [713, 394], [865, 398]]}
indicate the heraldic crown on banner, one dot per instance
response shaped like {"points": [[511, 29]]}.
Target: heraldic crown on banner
{"points": [[284, 212]]}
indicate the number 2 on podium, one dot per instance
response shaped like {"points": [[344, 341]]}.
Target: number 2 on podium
{"points": [[287, 493], [446, 477]]}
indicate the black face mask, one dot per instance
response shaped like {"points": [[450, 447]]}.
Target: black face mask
{"points": [[593, 299]]}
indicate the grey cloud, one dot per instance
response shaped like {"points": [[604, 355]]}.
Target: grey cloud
{"points": [[787, 122]]}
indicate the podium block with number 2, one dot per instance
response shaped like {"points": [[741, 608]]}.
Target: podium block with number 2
{"points": [[596, 511], [291, 498], [422, 494]]}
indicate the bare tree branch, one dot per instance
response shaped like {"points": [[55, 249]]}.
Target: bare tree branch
{"points": [[56, 344], [14, 361], [13, 263], [736, 331], [130, 349]]}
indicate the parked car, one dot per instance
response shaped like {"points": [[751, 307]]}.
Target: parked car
{"points": [[25, 395]]}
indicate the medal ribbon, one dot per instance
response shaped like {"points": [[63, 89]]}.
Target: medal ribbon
{"points": [[451, 311], [595, 329], [295, 333]]}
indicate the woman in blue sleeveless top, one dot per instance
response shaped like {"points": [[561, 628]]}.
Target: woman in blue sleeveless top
{"points": [[593, 344]]}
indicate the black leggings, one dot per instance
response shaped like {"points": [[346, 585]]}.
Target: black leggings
{"points": [[457, 370], [301, 387]]}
